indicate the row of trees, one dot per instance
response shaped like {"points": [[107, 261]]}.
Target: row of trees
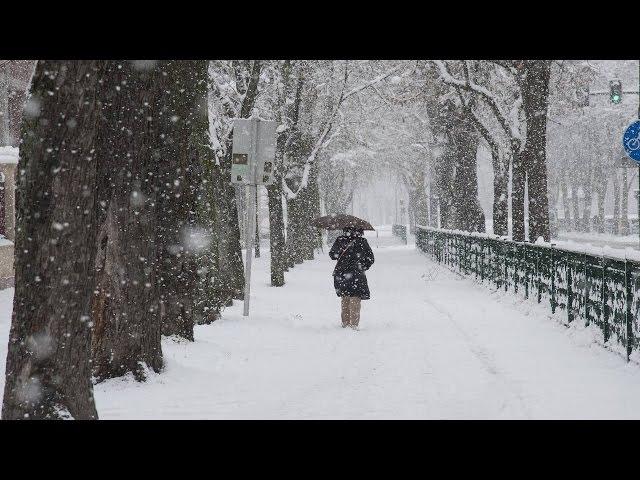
{"points": [[589, 174], [127, 223], [128, 226], [547, 151], [108, 248]]}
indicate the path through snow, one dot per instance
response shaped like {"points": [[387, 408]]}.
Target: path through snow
{"points": [[431, 345]]}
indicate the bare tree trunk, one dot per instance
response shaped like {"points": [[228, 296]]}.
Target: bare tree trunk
{"points": [[603, 184], [500, 178], [588, 204], [500, 194], [179, 237], [295, 230], [575, 210], [209, 301], [624, 209], [616, 203], [125, 310], [210, 296], [230, 282], [568, 223], [600, 192], [469, 214], [444, 175], [535, 96], [47, 373], [276, 231], [312, 211], [517, 198], [421, 213]]}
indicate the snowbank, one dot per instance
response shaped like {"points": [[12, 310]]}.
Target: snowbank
{"points": [[566, 245]]}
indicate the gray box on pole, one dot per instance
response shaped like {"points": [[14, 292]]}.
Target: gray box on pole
{"points": [[254, 151], [252, 164]]}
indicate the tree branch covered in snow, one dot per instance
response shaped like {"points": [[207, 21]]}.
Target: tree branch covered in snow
{"points": [[507, 121], [321, 142]]}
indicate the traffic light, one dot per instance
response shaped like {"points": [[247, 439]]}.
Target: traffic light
{"points": [[615, 89]]}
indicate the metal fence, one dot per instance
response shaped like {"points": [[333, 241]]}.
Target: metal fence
{"points": [[400, 231], [598, 290]]}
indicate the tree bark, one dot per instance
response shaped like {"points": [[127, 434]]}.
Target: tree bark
{"points": [[125, 309], [616, 203], [624, 208], [575, 210], [535, 100], [500, 194], [47, 372], [603, 184], [568, 223], [276, 216], [587, 213], [518, 182], [276, 231], [231, 279], [469, 214], [179, 236]]}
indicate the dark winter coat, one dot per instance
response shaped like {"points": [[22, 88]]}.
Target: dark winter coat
{"points": [[349, 279]]}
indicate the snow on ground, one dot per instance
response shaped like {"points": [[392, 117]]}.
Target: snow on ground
{"points": [[601, 239], [432, 345]]}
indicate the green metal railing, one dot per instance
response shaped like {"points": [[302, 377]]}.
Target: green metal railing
{"points": [[600, 291], [400, 231]]}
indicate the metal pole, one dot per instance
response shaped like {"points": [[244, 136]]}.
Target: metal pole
{"points": [[252, 189], [257, 235], [639, 165], [396, 203]]}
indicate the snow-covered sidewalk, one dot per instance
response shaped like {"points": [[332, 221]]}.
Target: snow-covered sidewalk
{"points": [[431, 345]]}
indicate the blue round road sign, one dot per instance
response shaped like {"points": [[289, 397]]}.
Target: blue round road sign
{"points": [[631, 141]]}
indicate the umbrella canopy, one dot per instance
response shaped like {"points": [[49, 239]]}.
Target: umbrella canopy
{"points": [[338, 221]]}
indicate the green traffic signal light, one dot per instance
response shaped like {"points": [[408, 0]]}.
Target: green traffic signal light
{"points": [[615, 91]]}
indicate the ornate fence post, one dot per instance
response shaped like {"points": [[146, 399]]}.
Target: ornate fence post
{"points": [[569, 291], [495, 264], [482, 245], [515, 267], [553, 282], [526, 274], [538, 276], [604, 296], [587, 287], [506, 267], [628, 302]]}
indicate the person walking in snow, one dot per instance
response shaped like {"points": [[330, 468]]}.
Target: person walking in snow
{"points": [[354, 256]]}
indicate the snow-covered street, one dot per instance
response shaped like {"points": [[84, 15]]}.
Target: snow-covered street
{"points": [[431, 345]]}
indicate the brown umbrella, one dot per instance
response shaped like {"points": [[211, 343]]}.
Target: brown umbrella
{"points": [[338, 221]]}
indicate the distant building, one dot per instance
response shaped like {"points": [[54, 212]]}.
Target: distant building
{"points": [[15, 78], [8, 162]]}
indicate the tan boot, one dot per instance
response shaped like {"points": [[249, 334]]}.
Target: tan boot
{"points": [[345, 311], [354, 312]]}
